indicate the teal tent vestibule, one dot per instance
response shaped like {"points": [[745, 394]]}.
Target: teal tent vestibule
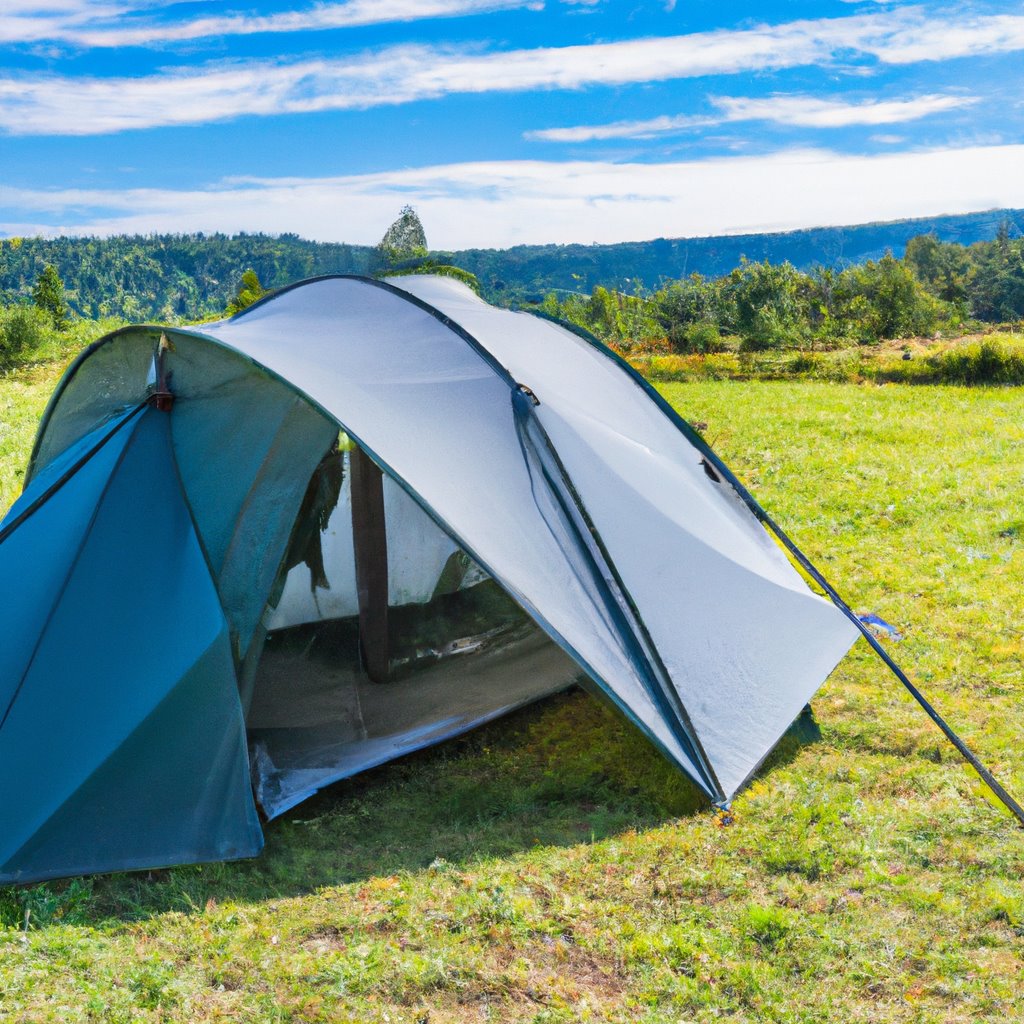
{"points": [[258, 556]]}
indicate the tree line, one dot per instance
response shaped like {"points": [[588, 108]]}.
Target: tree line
{"points": [[934, 286], [167, 278]]}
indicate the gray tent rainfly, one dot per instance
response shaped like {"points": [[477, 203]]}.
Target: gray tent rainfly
{"points": [[257, 556]]}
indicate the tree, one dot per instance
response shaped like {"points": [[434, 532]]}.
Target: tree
{"points": [[405, 239], [248, 292], [770, 304], [692, 313], [48, 296], [883, 299], [944, 268], [997, 289]]}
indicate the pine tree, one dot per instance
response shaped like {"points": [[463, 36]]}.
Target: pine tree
{"points": [[48, 296]]}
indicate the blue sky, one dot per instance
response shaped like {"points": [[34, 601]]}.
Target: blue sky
{"points": [[504, 121]]}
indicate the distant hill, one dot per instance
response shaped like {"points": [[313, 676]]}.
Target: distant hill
{"points": [[189, 276], [532, 270]]}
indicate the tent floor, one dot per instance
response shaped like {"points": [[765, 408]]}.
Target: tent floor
{"points": [[315, 718]]}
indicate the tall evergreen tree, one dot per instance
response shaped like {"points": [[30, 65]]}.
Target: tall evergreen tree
{"points": [[48, 296]]}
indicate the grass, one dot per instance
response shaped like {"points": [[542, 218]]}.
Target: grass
{"points": [[553, 868], [996, 359]]}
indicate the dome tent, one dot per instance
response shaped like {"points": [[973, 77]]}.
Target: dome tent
{"points": [[210, 577]]}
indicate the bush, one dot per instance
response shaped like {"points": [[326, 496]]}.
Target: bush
{"points": [[984, 362], [883, 299], [700, 337], [22, 328], [770, 305]]}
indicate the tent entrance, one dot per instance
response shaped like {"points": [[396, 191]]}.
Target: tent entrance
{"points": [[383, 637]]}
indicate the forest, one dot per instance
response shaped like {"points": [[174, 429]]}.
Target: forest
{"points": [[934, 289], [177, 278]]}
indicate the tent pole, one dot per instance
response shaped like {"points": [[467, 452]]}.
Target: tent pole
{"points": [[710, 456], [370, 544], [969, 756]]}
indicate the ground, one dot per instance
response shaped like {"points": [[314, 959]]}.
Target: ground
{"points": [[553, 868]]}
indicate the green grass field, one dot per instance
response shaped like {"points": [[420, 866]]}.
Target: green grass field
{"points": [[552, 868]]}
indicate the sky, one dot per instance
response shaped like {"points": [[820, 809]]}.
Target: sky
{"points": [[504, 121]]}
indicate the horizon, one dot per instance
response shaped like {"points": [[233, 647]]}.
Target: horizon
{"points": [[489, 248], [504, 122]]}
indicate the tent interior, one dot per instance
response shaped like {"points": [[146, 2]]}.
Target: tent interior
{"points": [[361, 630], [382, 636]]}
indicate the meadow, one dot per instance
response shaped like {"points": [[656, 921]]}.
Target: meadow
{"points": [[552, 868]]}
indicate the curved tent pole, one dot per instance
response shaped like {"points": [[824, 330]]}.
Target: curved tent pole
{"points": [[712, 459]]}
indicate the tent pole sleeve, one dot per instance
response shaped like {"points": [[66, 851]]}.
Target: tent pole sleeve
{"points": [[987, 777], [370, 545]]}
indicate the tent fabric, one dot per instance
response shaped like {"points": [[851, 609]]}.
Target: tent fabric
{"points": [[743, 639], [517, 456], [123, 741]]}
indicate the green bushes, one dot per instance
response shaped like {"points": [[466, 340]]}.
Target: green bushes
{"points": [[936, 286], [770, 307], [883, 299], [22, 329], [993, 361], [27, 335], [988, 361]]}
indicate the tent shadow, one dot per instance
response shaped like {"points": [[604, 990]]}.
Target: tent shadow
{"points": [[563, 772]]}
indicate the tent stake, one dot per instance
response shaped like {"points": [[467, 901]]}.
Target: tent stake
{"points": [[370, 544]]}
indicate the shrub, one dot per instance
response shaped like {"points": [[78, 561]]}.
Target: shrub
{"points": [[884, 300], [770, 305], [22, 328], [700, 337], [984, 362]]}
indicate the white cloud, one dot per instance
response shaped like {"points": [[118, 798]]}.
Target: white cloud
{"points": [[81, 22], [810, 112], [41, 104], [644, 129], [501, 204], [933, 39], [801, 111]]}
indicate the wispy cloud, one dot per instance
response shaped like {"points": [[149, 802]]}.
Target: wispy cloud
{"points": [[498, 204], [799, 111], [108, 23], [50, 104]]}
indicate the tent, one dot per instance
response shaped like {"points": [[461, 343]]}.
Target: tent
{"points": [[254, 557]]}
